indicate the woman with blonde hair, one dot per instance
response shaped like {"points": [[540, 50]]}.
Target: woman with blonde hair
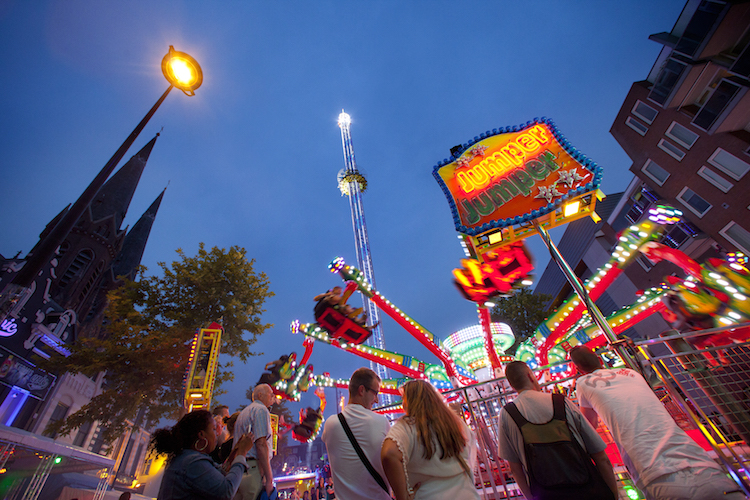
{"points": [[429, 452]]}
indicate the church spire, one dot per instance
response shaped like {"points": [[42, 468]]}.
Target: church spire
{"points": [[115, 195], [130, 256]]}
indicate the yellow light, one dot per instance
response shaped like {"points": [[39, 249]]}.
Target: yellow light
{"points": [[571, 208], [182, 71], [496, 237]]}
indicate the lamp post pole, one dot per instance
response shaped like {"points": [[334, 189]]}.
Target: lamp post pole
{"points": [[183, 72], [596, 314]]}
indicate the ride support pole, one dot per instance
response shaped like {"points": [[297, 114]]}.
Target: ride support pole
{"points": [[580, 290]]}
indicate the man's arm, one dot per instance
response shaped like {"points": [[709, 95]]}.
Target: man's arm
{"points": [[264, 463], [605, 469], [591, 416], [520, 476]]}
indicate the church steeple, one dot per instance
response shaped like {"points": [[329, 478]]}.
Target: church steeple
{"points": [[130, 256], [114, 197]]}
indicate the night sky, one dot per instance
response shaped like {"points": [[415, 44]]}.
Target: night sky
{"points": [[252, 158]]}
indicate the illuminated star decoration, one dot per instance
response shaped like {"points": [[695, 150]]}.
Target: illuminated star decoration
{"points": [[477, 151], [548, 193], [463, 161], [569, 177], [470, 155]]}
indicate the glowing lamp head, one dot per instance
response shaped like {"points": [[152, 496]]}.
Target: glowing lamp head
{"points": [[571, 208], [182, 71], [344, 119]]}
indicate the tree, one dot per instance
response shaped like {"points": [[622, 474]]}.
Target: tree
{"points": [[149, 325], [523, 312]]}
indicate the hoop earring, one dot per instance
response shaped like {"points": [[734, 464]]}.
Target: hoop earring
{"points": [[201, 448]]}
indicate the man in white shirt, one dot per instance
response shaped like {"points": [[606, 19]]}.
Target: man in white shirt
{"points": [[256, 418], [664, 461], [352, 480], [537, 407]]}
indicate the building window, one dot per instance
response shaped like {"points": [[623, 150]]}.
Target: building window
{"points": [[741, 65], [737, 235], [644, 112], [83, 432], [681, 135], [700, 25], [91, 281], [636, 125], [693, 202], [715, 179], [138, 460], [77, 267], [715, 106], [666, 81], [729, 164], [637, 208], [59, 413], [671, 150], [655, 172], [676, 237], [97, 441]]}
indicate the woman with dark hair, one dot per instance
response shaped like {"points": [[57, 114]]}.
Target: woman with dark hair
{"points": [[429, 453], [191, 474]]}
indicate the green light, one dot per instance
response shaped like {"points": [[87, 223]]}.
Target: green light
{"points": [[632, 493], [58, 460]]}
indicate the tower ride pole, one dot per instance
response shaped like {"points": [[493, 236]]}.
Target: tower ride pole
{"points": [[352, 184]]}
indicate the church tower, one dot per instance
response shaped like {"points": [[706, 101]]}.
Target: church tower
{"points": [[67, 297]]}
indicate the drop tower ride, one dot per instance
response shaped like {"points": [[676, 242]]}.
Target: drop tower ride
{"points": [[352, 184]]}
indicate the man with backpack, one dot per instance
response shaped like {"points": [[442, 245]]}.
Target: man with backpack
{"points": [[663, 460], [553, 452]]}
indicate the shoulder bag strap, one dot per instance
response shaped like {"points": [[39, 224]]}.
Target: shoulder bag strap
{"points": [[361, 454]]}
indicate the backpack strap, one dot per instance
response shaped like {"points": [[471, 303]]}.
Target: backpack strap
{"points": [[558, 405], [375, 475], [515, 414]]}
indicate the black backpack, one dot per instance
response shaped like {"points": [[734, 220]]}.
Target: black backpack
{"points": [[557, 465]]}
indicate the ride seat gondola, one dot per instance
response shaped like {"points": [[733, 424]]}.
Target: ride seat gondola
{"points": [[340, 326]]}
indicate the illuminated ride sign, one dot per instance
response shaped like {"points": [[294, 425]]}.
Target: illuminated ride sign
{"points": [[204, 358], [503, 269], [499, 183]]}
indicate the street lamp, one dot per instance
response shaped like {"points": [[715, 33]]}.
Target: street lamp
{"points": [[183, 72]]}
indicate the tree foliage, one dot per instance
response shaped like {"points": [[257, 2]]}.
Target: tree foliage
{"points": [[523, 312], [149, 326]]}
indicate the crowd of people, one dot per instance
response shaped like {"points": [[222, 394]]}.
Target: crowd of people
{"points": [[551, 445]]}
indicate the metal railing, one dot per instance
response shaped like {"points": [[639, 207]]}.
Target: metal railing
{"points": [[707, 374], [702, 378]]}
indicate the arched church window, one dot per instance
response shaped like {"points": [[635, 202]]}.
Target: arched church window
{"points": [[91, 281], [77, 267]]}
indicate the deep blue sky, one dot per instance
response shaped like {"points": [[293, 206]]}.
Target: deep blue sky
{"points": [[252, 159]]}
